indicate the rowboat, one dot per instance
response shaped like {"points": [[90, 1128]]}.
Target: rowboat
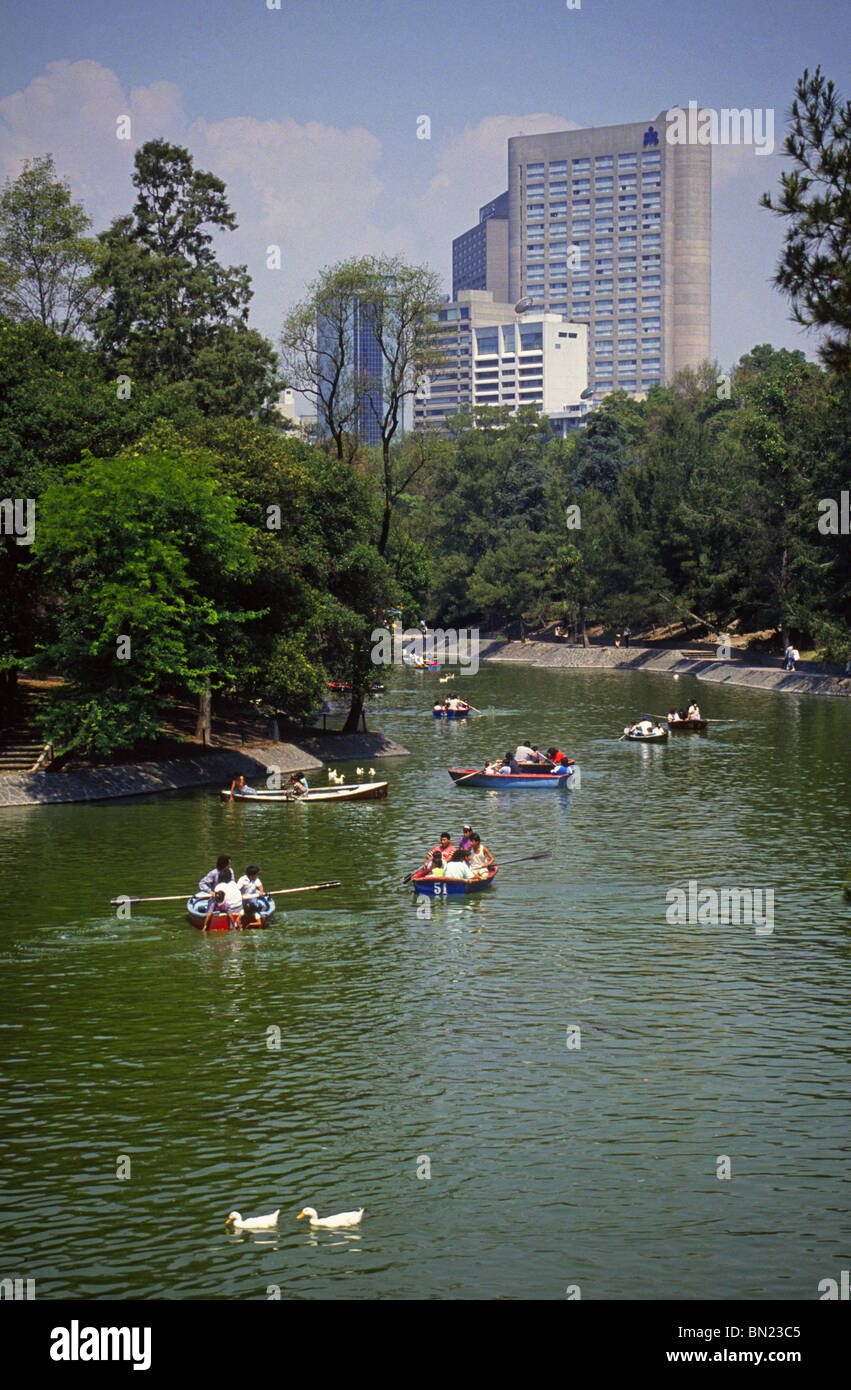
{"points": [[660, 737], [471, 777], [358, 791], [371, 689], [440, 713], [688, 726], [450, 887], [197, 905]]}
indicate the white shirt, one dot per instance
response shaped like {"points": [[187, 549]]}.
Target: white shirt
{"points": [[249, 887], [459, 870], [522, 754], [233, 897]]}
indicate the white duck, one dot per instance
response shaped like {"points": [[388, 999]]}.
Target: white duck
{"points": [[371, 772], [343, 1218], [359, 771], [253, 1223]]}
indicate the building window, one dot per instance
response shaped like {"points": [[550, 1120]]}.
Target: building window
{"points": [[651, 282], [654, 157], [581, 164], [627, 161]]}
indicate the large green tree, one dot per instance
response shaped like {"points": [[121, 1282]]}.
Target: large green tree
{"points": [[815, 198], [141, 553], [47, 258], [172, 313]]}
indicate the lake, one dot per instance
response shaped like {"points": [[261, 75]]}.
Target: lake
{"points": [[539, 1088]]}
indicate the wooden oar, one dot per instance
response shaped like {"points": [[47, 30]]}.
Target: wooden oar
{"points": [[272, 893]]}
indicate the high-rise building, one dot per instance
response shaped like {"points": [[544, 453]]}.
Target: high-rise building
{"points": [[364, 371], [611, 227], [497, 357], [480, 255]]}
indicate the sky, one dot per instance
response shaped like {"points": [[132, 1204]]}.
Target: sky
{"points": [[310, 112]]}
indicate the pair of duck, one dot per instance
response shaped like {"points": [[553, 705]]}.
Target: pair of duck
{"points": [[265, 1223]]}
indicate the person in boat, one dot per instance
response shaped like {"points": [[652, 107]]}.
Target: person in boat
{"points": [[241, 787], [643, 726], [435, 868], [445, 849], [211, 880], [216, 905], [503, 767], [673, 716], [693, 710], [523, 753], [481, 860], [232, 904], [249, 885], [466, 841], [491, 769], [250, 916], [298, 784], [458, 866]]}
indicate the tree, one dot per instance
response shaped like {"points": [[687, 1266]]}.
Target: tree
{"points": [[46, 259], [172, 313], [377, 303], [140, 551], [815, 269]]}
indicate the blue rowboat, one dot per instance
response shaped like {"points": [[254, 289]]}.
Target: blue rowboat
{"points": [[197, 905], [450, 887], [440, 713], [470, 777]]}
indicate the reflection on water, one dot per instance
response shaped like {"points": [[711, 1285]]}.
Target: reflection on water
{"points": [[321, 1061]]}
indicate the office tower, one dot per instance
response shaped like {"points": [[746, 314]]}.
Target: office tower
{"points": [[611, 227], [364, 371], [498, 357], [480, 255]]}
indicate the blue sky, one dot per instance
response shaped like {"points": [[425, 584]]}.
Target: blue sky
{"points": [[309, 113]]}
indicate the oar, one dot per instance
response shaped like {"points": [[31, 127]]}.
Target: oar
{"points": [[272, 893]]}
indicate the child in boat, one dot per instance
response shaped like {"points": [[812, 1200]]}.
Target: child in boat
{"points": [[435, 868], [249, 885], [481, 859], [231, 896], [458, 866], [298, 784]]}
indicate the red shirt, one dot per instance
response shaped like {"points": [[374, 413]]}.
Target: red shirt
{"points": [[445, 853]]}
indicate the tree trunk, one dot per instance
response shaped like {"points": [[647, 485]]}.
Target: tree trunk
{"points": [[204, 726], [582, 625], [353, 717]]}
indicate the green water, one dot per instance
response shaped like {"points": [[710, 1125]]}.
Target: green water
{"points": [[405, 1039]]}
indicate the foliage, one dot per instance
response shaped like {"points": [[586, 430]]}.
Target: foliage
{"points": [[815, 269], [47, 261]]}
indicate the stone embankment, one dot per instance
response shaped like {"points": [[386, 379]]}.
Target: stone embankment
{"points": [[667, 662], [211, 769]]}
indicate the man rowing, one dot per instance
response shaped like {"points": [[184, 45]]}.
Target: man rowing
{"points": [[445, 849]]}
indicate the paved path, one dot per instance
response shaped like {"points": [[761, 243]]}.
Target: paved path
{"points": [[212, 769], [668, 661]]}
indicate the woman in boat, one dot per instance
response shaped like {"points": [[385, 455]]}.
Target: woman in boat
{"points": [[458, 866], [298, 784], [212, 879], [693, 710], [466, 841], [673, 716], [481, 859]]}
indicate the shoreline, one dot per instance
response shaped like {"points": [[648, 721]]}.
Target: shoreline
{"points": [[667, 661], [175, 774]]}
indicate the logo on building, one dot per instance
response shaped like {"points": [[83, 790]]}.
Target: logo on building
{"points": [[650, 137]]}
